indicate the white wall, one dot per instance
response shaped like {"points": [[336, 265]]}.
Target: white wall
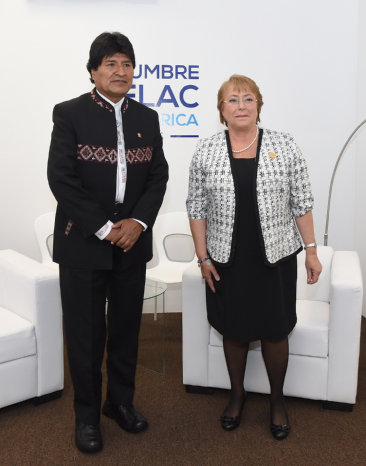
{"points": [[305, 56], [360, 144]]}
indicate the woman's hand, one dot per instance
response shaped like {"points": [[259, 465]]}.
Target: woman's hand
{"points": [[208, 270], [313, 267], [198, 228], [305, 225]]}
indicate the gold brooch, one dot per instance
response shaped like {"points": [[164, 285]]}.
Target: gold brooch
{"points": [[139, 135], [272, 155]]}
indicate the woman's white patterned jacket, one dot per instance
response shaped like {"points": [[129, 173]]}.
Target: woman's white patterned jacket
{"points": [[282, 191]]}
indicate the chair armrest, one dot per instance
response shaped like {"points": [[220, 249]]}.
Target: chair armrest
{"points": [[32, 291], [195, 328], [346, 294]]}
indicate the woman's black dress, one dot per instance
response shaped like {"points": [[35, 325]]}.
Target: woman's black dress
{"points": [[253, 301]]}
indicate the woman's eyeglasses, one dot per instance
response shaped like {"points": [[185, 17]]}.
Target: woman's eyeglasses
{"points": [[235, 101]]}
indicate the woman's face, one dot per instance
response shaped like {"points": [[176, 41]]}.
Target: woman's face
{"points": [[239, 108]]}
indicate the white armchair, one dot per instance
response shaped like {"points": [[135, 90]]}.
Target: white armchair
{"points": [[173, 253], [324, 346], [43, 226], [31, 343], [173, 248]]}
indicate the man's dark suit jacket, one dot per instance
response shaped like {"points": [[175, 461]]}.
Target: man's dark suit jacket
{"points": [[82, 175]]}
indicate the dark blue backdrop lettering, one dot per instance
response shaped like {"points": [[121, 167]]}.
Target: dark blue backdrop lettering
{"points": [[175, 102]]}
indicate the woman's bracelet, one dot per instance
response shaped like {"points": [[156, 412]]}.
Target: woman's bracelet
{"points": [[205, 259], [310, 245]]}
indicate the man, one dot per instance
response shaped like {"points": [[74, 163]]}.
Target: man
{"points": [[108, 173]]}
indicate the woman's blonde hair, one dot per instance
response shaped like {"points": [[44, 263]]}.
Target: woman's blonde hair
{"points": [[239, 83]]}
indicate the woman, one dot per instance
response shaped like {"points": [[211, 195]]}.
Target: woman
{"points": [[249, 198]]}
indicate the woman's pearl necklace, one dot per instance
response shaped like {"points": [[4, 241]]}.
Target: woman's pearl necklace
{"points": [[250, 145]]}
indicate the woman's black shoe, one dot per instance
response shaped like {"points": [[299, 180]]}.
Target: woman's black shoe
{"points": [[230, 423], [280, 432]]}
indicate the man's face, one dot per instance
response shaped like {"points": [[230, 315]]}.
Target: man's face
{"points": [[113, 77]]}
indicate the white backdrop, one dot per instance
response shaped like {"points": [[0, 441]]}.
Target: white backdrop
{"points": [[307, 58]]}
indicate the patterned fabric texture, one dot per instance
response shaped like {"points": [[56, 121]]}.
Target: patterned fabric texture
{"points": [[139, 155], [101, 154], [101, 102], [282, 189]]}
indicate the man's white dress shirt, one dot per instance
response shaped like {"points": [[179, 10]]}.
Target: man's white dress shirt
{"points": [[121, 178]]}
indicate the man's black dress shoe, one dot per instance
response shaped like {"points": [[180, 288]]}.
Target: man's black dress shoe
{"points": [[231, 423], [88, 438], [126, 417]]}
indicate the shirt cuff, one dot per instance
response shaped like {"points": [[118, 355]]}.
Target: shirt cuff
{"points": [[104, 231], [141, 223]]}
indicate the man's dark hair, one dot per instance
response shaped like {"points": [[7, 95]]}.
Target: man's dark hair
{"points": [[106, 45]]}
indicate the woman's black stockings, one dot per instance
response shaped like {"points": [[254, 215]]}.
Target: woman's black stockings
{"points": [[236, 358], [275, 355]]}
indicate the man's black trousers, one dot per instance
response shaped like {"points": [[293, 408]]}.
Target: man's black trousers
{"points": [[87, 327]]}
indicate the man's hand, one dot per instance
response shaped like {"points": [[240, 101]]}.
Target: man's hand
{"points": [[125, 233]]}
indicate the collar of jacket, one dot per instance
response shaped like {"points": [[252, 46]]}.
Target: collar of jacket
{"points": [[106, 105]]}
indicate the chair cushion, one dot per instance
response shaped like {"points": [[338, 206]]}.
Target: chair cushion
{"points": [[310, 335], [17, 336]]}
